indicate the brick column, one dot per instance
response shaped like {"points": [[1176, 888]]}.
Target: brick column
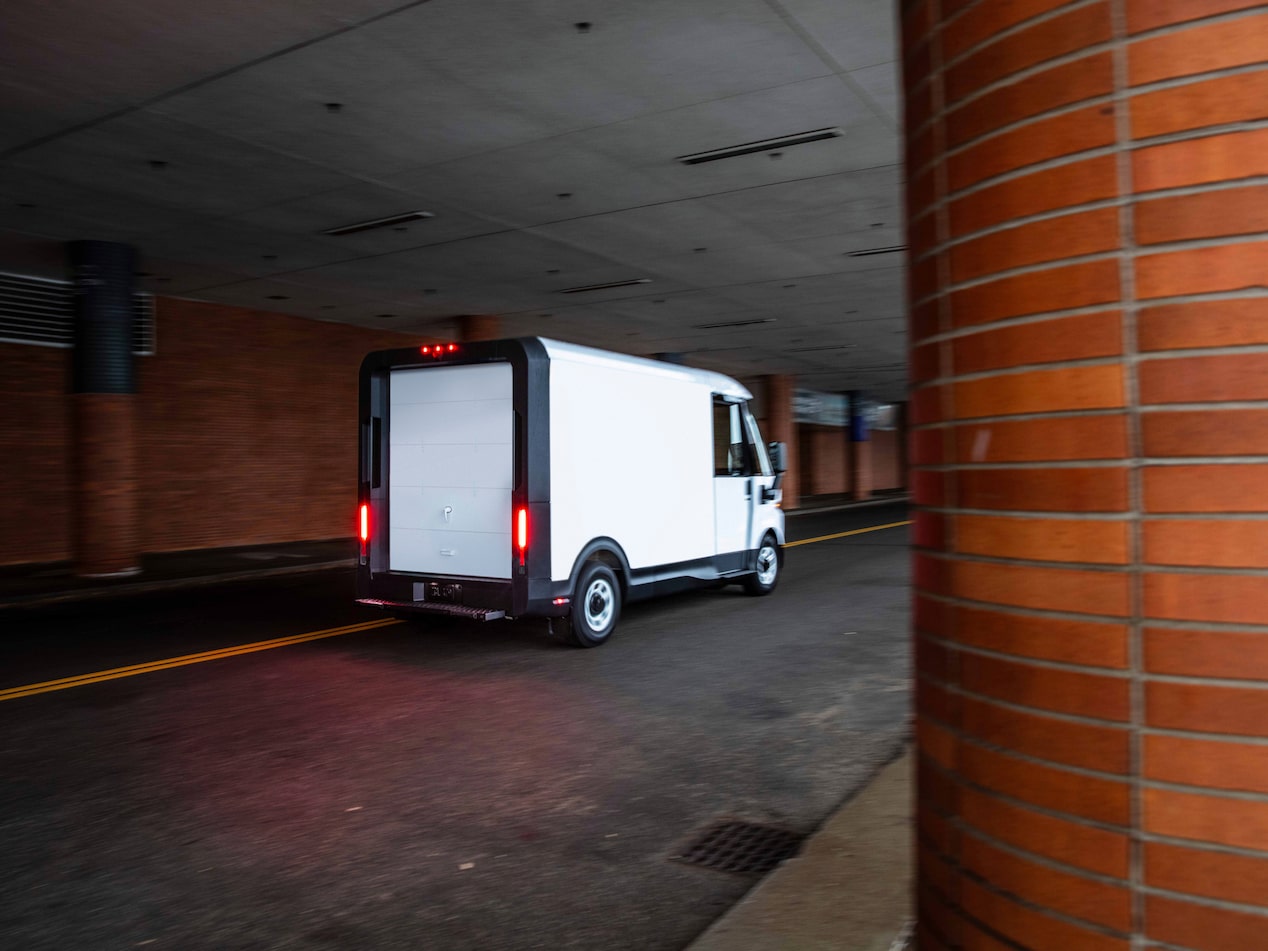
{"points": [[1087, 223], [479, 327], [106, 537], [779, 411]]}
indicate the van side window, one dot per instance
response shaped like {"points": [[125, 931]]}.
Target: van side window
{"points": [[732, 453]]}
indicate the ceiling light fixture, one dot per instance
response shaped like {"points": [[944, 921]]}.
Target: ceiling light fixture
{"points": [[378, 223], [866, 252], [604, 287], [764, 145], [736, 323]]}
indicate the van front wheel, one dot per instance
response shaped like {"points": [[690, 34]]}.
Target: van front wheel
{"points": [[769, 561], [596, 606]]}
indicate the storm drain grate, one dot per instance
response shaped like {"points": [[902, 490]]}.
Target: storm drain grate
{"points": [[745, 848]]}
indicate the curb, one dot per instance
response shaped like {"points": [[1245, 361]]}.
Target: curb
{"points": [[170, 584], [850, 889]]}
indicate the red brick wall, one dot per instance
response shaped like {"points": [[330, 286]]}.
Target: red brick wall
{"points": [[36, 479], [248, 427], [825, 452], [246, 432], [1089, 245], [885, 462]]}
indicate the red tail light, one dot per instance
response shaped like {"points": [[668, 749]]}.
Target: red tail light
{"points": [[521, 532], [365, 524]]}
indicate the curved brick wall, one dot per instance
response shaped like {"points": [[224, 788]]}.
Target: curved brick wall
{"points": [[1088, 202]]}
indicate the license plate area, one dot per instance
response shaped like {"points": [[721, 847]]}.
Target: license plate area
{"points": [[438, 592]]}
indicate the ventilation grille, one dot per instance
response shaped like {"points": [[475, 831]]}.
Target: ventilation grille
{"points": [[40, 311]]}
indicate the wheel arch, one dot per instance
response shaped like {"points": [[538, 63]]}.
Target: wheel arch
{"points": [[608, 551]]}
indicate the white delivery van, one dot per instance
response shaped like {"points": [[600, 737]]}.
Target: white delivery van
{"points": [[533, 478]]}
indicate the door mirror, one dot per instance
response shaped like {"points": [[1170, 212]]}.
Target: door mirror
{"points": [[778, 456]]}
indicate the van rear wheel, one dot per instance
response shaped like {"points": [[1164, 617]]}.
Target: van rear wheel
{"points": [[596, 606], [769, 562]]}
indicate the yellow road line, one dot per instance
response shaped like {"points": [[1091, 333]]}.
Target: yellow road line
{"points": [[48, 686], [857, 531]]}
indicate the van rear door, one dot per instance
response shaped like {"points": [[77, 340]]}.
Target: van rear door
{"points": [[451, 470]]}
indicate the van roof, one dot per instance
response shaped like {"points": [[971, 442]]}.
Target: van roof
{"points": [[717, 382]]}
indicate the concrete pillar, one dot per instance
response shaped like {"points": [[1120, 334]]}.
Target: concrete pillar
{"points": [[779, 411], [1089, 439], [479, 327], [104, 386]]}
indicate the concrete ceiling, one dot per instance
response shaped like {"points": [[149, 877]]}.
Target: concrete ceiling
{"points": [[545, 149]]}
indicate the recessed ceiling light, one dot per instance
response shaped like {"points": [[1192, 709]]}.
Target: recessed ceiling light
{"points": [[736, 323], [868, 251], [839, 346], [378, 223], [604, 287], [763, 145]]}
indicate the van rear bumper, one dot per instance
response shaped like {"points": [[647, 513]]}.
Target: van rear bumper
{"points": [[424, 607], [476, 598]]}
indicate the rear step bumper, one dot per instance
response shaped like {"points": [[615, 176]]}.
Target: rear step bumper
{"points": [[425, 607]]}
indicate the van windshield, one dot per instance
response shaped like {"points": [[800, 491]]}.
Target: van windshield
{"points": [[758, 446]]}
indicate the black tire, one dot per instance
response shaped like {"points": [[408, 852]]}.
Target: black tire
{"points": [[770, 562], [596, 606]]}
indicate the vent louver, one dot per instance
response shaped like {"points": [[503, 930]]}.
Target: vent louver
{"points": [[41, 312]]}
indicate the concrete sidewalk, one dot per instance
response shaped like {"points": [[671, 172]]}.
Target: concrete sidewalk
{"points": [[32, 586], [850, 889]]}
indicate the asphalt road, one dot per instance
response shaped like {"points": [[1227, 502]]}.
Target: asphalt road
{"points": [[442, 786]]}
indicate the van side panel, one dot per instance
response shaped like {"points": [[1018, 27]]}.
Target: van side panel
{"points": [[630, 459], [451, 470]]}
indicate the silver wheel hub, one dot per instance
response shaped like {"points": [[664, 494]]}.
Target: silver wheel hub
{"points": [[599, 602], [767, 563]]}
